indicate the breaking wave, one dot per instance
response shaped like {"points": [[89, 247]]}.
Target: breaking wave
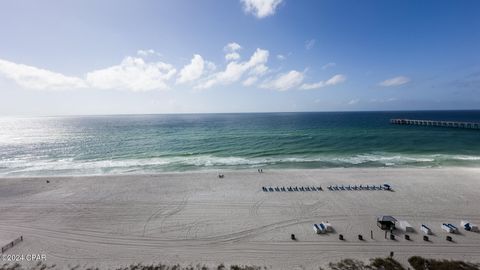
{"points": [[29, 167]]}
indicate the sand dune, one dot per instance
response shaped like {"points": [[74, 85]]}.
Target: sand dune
{"points": [[191, 218]]}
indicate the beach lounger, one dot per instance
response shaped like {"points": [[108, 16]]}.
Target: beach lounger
{"points": [[307, 188], [264, 189], [319, 188], [295, 188], [277, 189], [446, 228], [270, 189], [454, 229], [290, 189]]}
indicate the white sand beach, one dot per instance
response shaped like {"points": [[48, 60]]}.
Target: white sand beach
{"points": [[195, 217]]}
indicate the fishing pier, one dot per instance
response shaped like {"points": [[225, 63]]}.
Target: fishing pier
{"points": [[434, 123]]}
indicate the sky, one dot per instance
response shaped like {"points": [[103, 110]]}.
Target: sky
{"points": [[85, 57]]}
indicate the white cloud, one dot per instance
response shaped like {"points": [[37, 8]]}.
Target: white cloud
{"points": [[235, 70], [232, 56], [261, 8], [37, 78], [133, 74], [146, 52], [232, 47], [309, 44], [281, 57], [353, 102], [396, 81], [250, 81], [192, 71], [339, 78], [284, 81], [328, 65]]}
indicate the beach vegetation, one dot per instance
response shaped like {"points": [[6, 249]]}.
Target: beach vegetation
{"points": [[419, 263]]}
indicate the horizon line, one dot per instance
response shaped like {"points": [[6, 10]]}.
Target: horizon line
{"points": [[252, 112]]}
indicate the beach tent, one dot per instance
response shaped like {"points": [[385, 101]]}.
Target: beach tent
{"points": [[468, 226], [328, 226], [318, 228], [386, 222], [405, 226], [426, 230]]}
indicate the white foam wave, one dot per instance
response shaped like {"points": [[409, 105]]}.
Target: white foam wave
{"points": [[29, 166]]}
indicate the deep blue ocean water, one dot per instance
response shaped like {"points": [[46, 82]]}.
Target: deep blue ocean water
{"points": [[86, 145]]}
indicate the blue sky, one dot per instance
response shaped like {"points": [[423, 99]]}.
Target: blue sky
{"points": [[122, 57]]}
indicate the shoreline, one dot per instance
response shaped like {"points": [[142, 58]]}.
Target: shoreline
{"points": [[252, 170], [196, 217]]}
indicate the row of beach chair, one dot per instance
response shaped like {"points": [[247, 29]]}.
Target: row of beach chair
{"points": [[292, 189], [356, 187]]}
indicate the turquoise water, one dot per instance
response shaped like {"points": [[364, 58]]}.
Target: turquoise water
{"points": [[158, 143]]}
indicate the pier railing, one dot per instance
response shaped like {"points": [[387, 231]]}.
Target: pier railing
{"points": [[451, 124]]}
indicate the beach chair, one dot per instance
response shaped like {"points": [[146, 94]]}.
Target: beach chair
{"points": [[264, 189], [290, 189], [319, 188], [270, 189], [277, 189], [283, 189], [302, 189], [295, 188], [329, 187], [307, 188]]}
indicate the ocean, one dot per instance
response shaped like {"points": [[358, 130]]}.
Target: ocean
{"points": [[127, 144]]}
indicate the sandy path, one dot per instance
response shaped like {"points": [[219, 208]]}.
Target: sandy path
{"points": [[192, 218]]}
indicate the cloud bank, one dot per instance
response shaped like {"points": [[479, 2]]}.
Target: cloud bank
{"points": [[37, 78], [137, 74]]}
